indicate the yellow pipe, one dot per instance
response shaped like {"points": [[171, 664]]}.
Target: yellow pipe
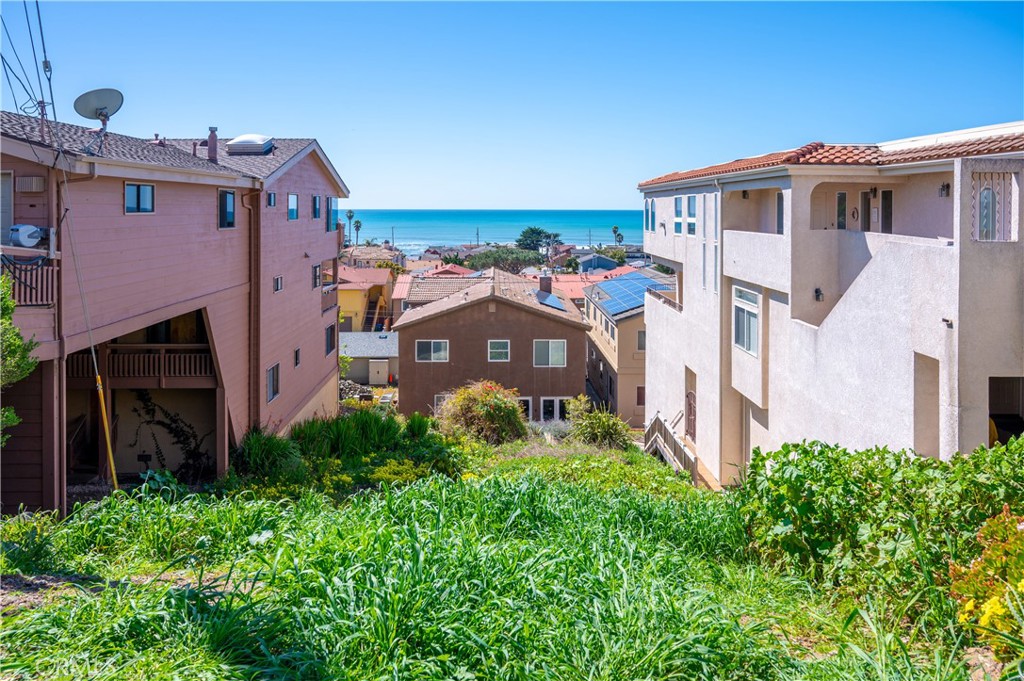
{"points": [[106, 430]]}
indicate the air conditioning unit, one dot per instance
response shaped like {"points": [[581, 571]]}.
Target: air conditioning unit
{"points": [[26, 236], [30, 185]]}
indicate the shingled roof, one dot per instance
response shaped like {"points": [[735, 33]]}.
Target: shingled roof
{"points": [[500, 285], [251, 165], [74, 138], [821, 154]]}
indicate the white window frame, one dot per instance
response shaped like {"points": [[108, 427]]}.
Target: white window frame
{"points": [[416, 350], [439, 399], [507, 350], [278, 283], [289, 207], [691, 220], [678, 223], [565, 358], [742, 303], [558, 402], [641, 347], [275, 385]]}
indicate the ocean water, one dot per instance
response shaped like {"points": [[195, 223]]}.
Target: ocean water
{"points": [[415, 230]]}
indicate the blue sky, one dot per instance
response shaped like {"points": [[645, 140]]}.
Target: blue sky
{"points": [[534, 105]]}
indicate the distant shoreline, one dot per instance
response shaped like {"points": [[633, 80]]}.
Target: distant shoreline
{"points": [[416, 230]]}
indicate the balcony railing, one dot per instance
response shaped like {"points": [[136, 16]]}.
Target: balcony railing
{"points": [[328, 298], [33, 280], [660, 436], [665, 300], [163, 365]]}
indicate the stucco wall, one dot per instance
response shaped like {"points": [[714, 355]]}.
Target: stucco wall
{"points": [[194, 407]]}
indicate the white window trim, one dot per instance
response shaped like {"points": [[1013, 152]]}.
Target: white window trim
{"points": [[565, 353], [288, 207], [754, 308], [638, 348], [447, 350], [508, 350], [558, 400], [439, 399], [275, 288], [691, 220], [679, 222]]}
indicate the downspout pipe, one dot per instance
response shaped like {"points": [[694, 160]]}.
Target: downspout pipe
{"points": [[254, 300]]}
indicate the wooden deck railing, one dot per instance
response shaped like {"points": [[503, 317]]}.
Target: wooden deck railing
{"points": [[328, 298], [33, 285], [140, 360], [662, 298], [660, 436]]}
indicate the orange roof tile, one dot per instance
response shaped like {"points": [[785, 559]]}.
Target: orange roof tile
{"points": [[819, 153]]}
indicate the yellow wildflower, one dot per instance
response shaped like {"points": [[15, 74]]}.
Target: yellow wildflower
{"points": [[992, 609]]}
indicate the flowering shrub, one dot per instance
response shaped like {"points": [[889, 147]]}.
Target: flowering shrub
{"points": [[485, 410], [990, 591]]}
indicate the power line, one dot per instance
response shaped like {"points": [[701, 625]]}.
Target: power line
{"points": [[10, 42], [47, 69], [28, 108], [32, 41]]}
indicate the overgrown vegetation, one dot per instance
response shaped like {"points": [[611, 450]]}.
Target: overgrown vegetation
{"points": [[529, 560], [16, 360]]}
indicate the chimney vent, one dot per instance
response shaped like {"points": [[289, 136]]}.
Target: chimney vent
{"points": [[545, 284], [211, 145], [194, 146]]}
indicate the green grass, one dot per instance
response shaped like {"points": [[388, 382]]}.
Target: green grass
{"points": [[580, 566]]}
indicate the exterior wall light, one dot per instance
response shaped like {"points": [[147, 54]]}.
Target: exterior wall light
{"points": [[818, 295], [745, 194], [874, 192], [944, 189]]}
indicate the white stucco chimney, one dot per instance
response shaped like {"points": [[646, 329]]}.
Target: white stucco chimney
{"points": [[211, 144]]}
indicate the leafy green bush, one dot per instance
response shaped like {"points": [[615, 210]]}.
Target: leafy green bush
{"points": [[596, 426], [400, 471], [417, 426], [265, 455], [990, 591], [877, 517], [484, 410]]}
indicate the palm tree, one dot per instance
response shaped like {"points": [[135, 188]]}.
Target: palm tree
{"points": [[357, 225], [349, 214], [615, 232]]}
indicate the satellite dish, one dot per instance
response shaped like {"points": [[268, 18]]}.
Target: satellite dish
{"points": [[99, 104]]}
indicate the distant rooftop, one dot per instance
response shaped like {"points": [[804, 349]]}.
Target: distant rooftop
{"points": [[624, 296], [368, 344], [497, 284]]}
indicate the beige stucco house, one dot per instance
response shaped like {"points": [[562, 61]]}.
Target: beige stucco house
{"points": [[862, 294], [616, 342]]}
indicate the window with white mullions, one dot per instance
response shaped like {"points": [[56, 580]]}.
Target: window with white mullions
{"points": [[431, 351], [549, 353], [498, 351], [745, 311]]}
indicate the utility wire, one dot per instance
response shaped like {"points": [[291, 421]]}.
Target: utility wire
{"points": [[32, 41], [18, 57], [47, 69], [28, 108]]}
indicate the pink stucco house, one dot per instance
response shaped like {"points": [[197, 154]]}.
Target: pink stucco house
{"points": [[202, 271]]}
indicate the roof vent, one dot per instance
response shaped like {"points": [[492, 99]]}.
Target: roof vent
{"points": [[251, 144]]}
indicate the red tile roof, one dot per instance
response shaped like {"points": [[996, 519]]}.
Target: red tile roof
{"points": [[572, 285], [450, 270], [374, 276], [819, 153]]}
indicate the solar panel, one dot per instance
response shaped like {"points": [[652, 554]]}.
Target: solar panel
{"points": [[627, 292], [550, 299]]}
